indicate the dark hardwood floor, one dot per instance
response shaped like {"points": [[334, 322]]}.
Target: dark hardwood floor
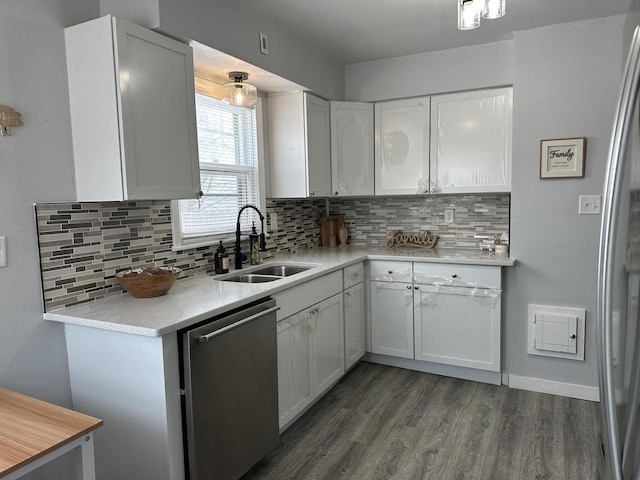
{"points": [[382, 422]]}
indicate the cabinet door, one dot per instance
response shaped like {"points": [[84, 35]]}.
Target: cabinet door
{"points": [[318, 130], [471, 141], [354, 326], [402, 147], [458, 326], [295, 387], [392, 319], [351, 148], [156, 80], [132, 104], [327, 318], [299, 129]]}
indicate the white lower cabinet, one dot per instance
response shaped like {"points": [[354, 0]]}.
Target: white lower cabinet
{"points": [[310, 355], [457, 326], [354, 324], [294, 366], [327, 342], [392, 319], [449, 314]]}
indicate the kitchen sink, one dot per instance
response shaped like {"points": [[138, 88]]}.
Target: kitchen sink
{"points": [[253, 278], [282, 270], [268, 273]]}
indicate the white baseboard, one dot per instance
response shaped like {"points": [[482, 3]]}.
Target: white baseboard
{"points": [[572, 390]]}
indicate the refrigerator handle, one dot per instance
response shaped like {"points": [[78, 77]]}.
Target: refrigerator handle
{"points": [[611, 204]]}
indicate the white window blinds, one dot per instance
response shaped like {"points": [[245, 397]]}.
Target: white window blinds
{"points": [[227, 147]]}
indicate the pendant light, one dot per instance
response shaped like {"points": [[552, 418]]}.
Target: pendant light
{"points": [[469, 14], [238, 93], [470, 11], [493, 9]]}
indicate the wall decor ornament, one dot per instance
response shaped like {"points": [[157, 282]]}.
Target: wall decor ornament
{"points": [[562, 157], [8, 118], [420, 239]]}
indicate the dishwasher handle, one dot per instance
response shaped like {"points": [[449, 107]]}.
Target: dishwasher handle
{"points": [[264, 313]]}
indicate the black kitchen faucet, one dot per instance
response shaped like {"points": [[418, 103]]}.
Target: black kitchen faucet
{"points": [[263, 243]]}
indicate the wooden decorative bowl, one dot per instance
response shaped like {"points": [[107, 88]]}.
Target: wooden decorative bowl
{"points": [[148, 282]]}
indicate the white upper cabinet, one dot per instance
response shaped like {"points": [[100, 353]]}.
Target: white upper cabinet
{"points": [[402, 147], [299, 134], [471, 141], [351, 148], [133, 118]]}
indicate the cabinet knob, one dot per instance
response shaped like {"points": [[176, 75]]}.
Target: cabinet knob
{"points": [[416, 287], [408, 287], [573, 335], [336, 192], [455, 275], [433, 190], [348, 294], [313, 193], [389, 271], [200, 194]]}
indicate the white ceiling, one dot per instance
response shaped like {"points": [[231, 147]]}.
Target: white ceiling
{"points": [[352, 31]]}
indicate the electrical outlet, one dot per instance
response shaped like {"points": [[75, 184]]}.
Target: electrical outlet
{"points": [[589, 204], [3, 251], [448, 216]]}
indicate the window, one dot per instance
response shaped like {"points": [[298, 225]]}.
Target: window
{"points": [[229, 175]]}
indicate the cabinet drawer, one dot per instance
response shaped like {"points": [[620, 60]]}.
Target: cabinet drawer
{"points": [[390, 271], [309, 293], [457, 275], [353, 274]]}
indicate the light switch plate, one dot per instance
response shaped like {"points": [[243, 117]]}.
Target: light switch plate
{"points": [[589, 204]]}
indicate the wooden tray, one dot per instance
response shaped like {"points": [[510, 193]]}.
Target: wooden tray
{"points": [[325, 228]]}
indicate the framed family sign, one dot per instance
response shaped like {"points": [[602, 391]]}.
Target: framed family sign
{"points": [[562, 158]]}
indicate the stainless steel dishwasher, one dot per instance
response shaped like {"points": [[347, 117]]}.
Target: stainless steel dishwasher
{"points": [[230, 384]]}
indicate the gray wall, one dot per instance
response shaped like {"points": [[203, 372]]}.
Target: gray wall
{"points": [[565, 82], [467, 68], [224, 26], [36, 164]]}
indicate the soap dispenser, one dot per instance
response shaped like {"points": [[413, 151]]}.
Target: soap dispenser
{"points": [[221, 260], [254, 256]]}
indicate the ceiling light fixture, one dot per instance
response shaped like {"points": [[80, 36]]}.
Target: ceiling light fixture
{"points": [[469, 12], [238, 93]]}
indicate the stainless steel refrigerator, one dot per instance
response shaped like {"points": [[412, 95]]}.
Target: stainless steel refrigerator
{"points": [[619, 284]]}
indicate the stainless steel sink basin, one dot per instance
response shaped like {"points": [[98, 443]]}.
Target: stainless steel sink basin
{"points": [[253, 278], [282, 270], [267, 273]]}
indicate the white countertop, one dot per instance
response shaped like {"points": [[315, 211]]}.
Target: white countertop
{"points": [[198, 298]]}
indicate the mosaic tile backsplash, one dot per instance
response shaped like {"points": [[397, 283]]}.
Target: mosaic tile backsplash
{"points": [[369, 220], [83, 245]]}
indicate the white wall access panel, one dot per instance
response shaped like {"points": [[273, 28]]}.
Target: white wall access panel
{"points": [[556, 331]]}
